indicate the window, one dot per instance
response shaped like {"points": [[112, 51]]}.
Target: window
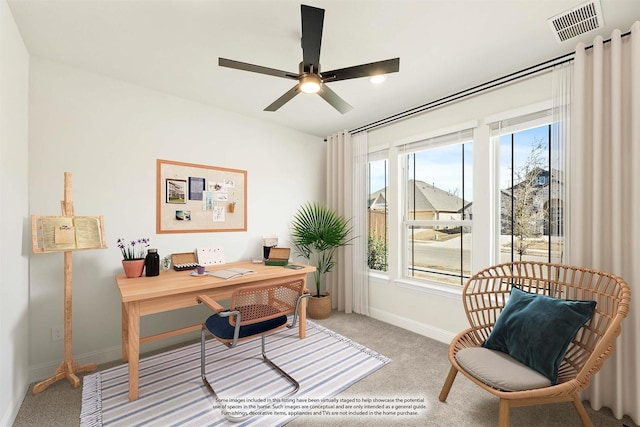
{"points": [[421, 201], [437, 209], [378, 215], [531, 193]]}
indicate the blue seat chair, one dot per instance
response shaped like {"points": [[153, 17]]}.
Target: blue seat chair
{"points": [[254, 311]]}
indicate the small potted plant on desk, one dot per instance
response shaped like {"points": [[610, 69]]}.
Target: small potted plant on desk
{"points": [[316, 232], [133, 253]]}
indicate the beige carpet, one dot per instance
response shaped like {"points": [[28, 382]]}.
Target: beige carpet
{"points": [[418, 368]]}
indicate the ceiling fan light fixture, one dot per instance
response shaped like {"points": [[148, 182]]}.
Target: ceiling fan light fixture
{"points": [[310, 83], [308, 79], [377, 79]]}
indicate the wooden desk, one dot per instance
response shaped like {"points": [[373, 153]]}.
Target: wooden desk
{"points": [[177, 289]]}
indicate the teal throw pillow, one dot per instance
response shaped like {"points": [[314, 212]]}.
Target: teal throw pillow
{"points": [[536, 329]]}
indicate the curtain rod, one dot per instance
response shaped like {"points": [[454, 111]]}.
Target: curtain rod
{"points": [[567, 57]]}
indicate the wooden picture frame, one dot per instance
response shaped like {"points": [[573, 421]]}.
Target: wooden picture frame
{"points": [[176, 190], [211, 213]]}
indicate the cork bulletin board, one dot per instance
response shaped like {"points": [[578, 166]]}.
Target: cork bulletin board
{"points": [[192, 198]]}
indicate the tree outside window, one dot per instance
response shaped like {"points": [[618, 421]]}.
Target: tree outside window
{"points": [[530, 198]]}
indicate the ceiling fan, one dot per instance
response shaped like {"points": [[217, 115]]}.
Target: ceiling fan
{"points": [[310, 79]]}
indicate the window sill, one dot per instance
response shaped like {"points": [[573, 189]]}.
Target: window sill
{"points": [[427, 287], [431, 288], [381, 275]]}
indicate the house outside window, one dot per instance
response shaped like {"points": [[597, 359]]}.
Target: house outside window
{"points": [[437, 209]]}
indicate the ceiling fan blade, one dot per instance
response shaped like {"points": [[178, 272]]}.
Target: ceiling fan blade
{"points": [[288, 96], [230, 63], [312, 22], [364, 70], [332, 98]]}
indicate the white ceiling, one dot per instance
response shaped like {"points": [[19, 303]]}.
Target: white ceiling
{"points": [[173, 46]]}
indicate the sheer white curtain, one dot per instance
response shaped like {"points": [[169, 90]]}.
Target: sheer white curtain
{"points": [[562, 101], [360, 149], [346, 191], [605, 196]]}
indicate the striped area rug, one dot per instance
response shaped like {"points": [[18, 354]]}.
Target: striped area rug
{"points": [[173, 394]]}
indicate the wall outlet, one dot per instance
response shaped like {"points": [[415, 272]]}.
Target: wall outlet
{"points": [[57, 333]]}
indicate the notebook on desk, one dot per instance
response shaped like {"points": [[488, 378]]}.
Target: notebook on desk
{"points": [[230, 273]]}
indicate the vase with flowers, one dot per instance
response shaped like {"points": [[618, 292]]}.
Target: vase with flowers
{"points": [[133, 253]]}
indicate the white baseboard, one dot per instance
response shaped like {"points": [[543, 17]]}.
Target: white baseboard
{"points": [[412, 325], [10, 416], [45, 370]]}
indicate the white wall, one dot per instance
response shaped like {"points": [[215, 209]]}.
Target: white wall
{"points": [[14, 214], [437, 312], [108, 134]]}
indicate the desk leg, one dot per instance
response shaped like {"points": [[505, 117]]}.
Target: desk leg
{"points": [[302, 332], [125, 333], [302, 327], [133, 314]]}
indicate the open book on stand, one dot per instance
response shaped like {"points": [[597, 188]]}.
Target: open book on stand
{"points": [[230, 273]]}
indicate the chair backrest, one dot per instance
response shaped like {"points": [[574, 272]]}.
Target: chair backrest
{"points": [[260, 303], [485, 295]]}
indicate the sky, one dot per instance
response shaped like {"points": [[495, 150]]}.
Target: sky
{"points": [[522, 144], [441, 166]]}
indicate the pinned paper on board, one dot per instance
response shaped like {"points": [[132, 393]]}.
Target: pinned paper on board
{"points": [[218, 214], [208, 200]]}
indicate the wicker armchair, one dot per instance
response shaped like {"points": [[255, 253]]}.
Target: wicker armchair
{"points": [[485, 295]]}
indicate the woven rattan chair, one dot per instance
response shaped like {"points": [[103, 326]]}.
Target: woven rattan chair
{"points": [[254, 311], [485, 295]]}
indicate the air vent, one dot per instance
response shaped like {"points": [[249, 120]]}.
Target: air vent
{"points": [[577, 21]]}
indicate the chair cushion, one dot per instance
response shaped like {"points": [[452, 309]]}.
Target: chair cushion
{"points": [[221, 328], [537, 330], [499, 370]]}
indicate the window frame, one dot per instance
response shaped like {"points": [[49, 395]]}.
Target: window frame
{"points": [[485, 219], [459, 136], [375, 156], [528, 118]]}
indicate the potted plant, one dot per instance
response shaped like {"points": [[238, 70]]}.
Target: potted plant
{"points": [[317, 232], [133, 253]]}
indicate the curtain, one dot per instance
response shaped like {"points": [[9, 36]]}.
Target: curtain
{"points": [[346, 193], [562, 101], [605, 196], [360, 223]]}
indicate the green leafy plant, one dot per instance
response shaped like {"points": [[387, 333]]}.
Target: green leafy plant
{"points": [[316, 232], [377, 252]]}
